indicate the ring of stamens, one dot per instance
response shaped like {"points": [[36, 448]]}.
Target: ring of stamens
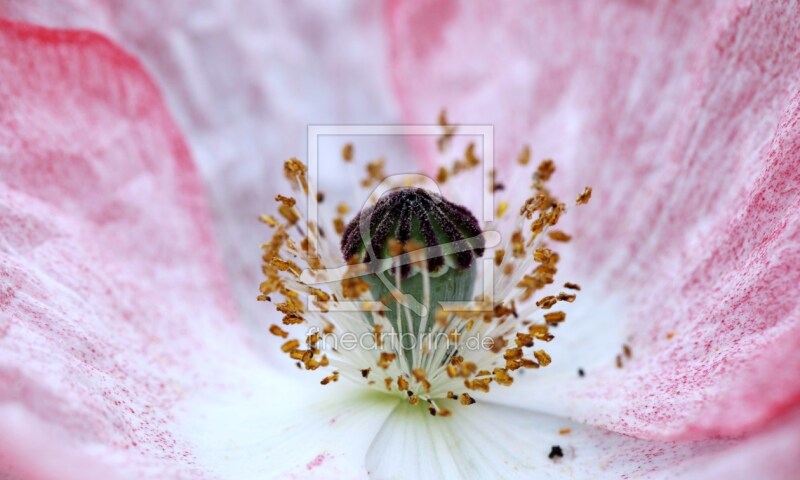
{"points": [[434, 374]]}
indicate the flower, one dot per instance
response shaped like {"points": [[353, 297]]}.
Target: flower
{"points": [[401, 296], [123, 353]]}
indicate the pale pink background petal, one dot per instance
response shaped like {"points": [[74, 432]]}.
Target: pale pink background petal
{"points": [[684, 117], [244, 78], [121, 350], [771, 453], [114, 302]]}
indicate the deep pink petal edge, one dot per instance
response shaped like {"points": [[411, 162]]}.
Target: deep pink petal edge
{"points": [[113, 302]]}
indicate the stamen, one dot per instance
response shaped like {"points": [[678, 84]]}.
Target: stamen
{"points": [[448, 131], [584, 197], [559, 236], [406, 257], [347, 152], [465, 399], [331, 378], [278, 331], [524, 156]]}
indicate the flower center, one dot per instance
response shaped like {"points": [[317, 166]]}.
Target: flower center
{"points": [[421, 251], [412, 311]]}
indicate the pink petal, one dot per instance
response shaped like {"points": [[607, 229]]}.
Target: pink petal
{"points": [[24, 439], [120, 349], [770, 454], [113, 299], [685, 120], [244, 80]]}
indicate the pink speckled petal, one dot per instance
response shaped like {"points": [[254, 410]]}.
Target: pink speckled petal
{"points": [[686, 120], [244, 79], [118, 333], [113, 299]]}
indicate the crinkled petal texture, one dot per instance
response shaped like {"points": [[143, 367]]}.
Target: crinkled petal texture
{"points": [[120, 354], [118, 333], [112, 294], [686, 120], [244, 79]]}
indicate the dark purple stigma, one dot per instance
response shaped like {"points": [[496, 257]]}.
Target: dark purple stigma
{"points": [[414, 214]]}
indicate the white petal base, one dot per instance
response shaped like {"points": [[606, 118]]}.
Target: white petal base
{"points": [[299, 430], [491, 441]]}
